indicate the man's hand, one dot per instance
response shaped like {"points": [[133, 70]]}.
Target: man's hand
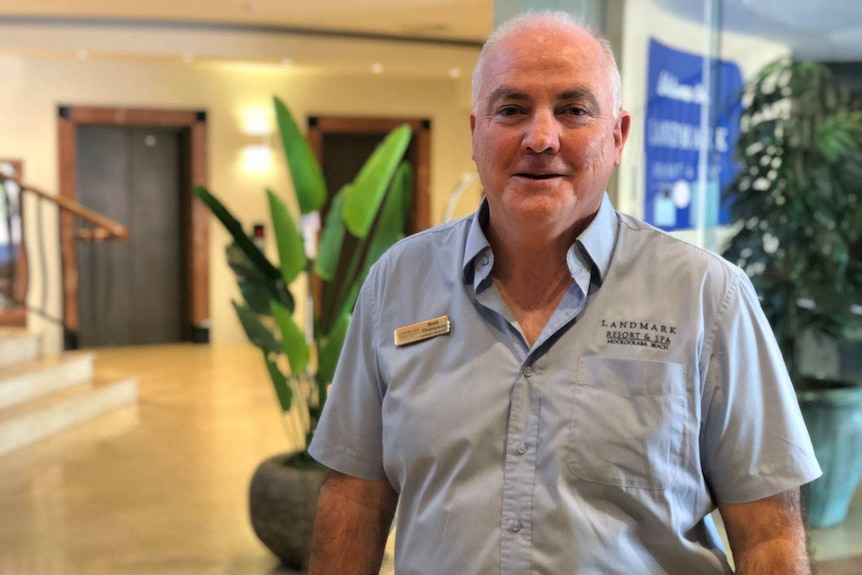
{"points": [[352, 524], [767, 536]]}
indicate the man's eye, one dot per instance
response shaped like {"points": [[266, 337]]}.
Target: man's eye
{"points": [[508, 111], [575, 111]]}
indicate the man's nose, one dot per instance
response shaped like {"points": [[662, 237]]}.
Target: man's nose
{"points": [[543, 134]]}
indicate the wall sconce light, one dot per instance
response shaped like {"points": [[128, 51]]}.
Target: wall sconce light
{"points": [[259, 156]]}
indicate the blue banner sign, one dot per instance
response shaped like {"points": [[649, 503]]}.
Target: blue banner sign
{"points": [[673, 137]]}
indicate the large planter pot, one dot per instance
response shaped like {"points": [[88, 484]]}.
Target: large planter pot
{"points": [[282, 503], [833, 414]]}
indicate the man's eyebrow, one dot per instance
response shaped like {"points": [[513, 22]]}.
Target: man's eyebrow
{"points": [[506, 93], [580, 94]]}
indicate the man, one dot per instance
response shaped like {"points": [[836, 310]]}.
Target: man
{"points": [[567, 389]]}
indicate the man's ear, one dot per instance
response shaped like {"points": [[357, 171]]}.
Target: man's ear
{"points": [[472, 122], [621, 134]]}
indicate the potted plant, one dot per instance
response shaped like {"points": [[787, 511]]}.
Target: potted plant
{"points": [[797, 201], [370, 215]]}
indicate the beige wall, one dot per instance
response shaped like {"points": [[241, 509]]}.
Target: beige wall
{"points": [[33, 87]]}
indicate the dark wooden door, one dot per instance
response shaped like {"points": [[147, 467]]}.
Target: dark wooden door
{"points": [[131, 292]]}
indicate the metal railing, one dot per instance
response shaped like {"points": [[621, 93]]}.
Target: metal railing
{"points": [[24, 249]]}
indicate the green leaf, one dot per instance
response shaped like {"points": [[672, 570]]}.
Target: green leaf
{"points": [[292, 339], [330, 349], [253, 286], [362, 201], [256, 332], [235, 228], [332, 239], [287, 238], [279, 383], [308, 182], [255, 296], [391, 221]]}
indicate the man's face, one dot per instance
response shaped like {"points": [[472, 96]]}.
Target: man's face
{"points": [[545, 133]]}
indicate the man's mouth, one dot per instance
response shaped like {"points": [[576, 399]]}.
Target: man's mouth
{"points": [[530, 176]]}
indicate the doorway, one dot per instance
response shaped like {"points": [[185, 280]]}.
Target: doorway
{"points": [[342, 144], [129, 293], [137, 167]]}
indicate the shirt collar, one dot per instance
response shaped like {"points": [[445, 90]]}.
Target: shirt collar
{"points": [[596, 243], [477, 248], [599, 239]]}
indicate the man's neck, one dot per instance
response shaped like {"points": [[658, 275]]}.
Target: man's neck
{"points": [[532, 275]]}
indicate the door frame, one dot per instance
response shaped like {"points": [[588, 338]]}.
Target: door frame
{"points": [[194, 219], [319, 126]]}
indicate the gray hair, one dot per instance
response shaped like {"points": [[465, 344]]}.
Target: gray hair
{"points": [[551, 17]]}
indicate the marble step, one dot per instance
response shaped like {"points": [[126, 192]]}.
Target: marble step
{"points": [[18, 345], [44, 416], [25, 381]]}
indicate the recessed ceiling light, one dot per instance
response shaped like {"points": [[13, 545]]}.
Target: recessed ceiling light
{"points": [[83, 54], [454, 72], [377, 68], [287, 62]]}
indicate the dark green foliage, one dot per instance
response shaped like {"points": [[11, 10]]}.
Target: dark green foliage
{"points": [[798, 201]]}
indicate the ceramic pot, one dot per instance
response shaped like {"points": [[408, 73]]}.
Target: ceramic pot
{"points": [[833, 414], [282, 504]]}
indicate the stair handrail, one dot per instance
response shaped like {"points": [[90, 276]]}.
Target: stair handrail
{"points": [[105, 228], [98, 228]]}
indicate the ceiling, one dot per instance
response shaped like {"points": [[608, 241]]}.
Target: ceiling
{"points": [[825, 30], [821, 29], [465, 20]]}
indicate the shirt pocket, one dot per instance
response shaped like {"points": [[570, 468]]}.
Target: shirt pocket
{"points": [[628, 422]]}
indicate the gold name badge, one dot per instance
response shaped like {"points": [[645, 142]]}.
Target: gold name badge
{"points": [[423, 330]]}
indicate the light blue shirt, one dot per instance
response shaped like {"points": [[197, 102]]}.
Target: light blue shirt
{"points": [[654, 391]]}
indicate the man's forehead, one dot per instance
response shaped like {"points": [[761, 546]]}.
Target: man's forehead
{"points": [[544, 49], [507, 92]]}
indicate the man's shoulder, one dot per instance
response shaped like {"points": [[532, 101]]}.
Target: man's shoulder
{"points": [[648, 237], [437, 251], [448, 237]]}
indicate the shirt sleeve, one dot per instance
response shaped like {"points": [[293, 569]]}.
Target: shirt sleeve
{"points": [[754, 442], [348, 437]]}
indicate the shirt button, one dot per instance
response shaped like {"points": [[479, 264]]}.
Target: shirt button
{"points": [[485, 260], [528, 371], [515, 526], [522, 448]]}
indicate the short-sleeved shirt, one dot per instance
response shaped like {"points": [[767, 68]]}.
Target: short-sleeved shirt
{"points": [[655, 391]]}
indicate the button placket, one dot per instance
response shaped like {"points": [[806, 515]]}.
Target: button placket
{"points": [[519, 476]]}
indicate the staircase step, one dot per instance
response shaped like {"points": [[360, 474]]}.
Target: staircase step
{"points": [[18, 345], [23, 382], [42, 417]]}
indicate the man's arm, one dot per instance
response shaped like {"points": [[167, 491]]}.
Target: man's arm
{"points": [[352, 524], [767, 536]]}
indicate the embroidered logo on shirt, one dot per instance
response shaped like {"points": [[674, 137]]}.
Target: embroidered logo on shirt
{"points": [[641, 333]]}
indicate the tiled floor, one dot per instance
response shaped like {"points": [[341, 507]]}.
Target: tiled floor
{"points": [[160, 488]]}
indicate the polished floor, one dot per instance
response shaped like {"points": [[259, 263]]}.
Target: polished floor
{"points": [[160, 488]]}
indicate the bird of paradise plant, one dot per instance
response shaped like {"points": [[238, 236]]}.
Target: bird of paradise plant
{"points": [[372, 209]]}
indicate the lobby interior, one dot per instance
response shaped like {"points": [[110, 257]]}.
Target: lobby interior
{"points": [[159, 486]]}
